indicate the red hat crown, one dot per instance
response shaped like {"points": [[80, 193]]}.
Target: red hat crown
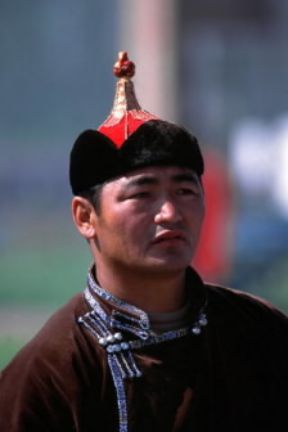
{"points": [[126, 115]]}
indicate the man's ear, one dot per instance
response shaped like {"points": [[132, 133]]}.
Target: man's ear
{"points": [[84, 217]]}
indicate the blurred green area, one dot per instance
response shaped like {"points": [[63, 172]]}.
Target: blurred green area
{"points": [[36, 282], [272, 284], [9, 345], [42, 276]]}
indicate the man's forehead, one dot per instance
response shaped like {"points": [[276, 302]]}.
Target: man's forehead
{"points": [[155, 173]]}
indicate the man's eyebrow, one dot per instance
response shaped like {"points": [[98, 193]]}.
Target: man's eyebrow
{"points": [[146, 180], [186, 177]]}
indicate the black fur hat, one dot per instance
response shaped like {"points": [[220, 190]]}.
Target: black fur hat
{"points": [[95, 159]]}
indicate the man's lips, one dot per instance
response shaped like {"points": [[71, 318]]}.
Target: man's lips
{"points": [[169, 236]]}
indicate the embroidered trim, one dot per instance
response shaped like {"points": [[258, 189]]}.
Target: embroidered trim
{"points": [[120, 391], [143, 317], [120, 356]]}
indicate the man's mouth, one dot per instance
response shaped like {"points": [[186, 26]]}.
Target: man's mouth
{"points": [[169, 236]]}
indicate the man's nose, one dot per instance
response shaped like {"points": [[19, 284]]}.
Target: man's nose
{"points": [[167, 212]]}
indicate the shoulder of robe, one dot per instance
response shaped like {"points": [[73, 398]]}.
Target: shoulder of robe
{"points": [[58, 346], [250, 311]]}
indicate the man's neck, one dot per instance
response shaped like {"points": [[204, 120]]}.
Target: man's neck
{"points": [[159, 292]]}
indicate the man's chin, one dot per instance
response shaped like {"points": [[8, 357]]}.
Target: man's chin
{"points": [[168, 264]]}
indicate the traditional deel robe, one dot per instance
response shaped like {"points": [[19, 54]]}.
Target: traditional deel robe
{"points": [[97, 366]]}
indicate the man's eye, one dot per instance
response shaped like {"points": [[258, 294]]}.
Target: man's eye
{"points": [[186, 191], [140, 195]]}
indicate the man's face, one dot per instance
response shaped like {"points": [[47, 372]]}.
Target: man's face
{"points": [[150, 220]]}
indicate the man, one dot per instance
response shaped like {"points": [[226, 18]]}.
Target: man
{"points": [[148, 346]]}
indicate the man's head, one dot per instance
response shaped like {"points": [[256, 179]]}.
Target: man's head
{"points": [[134, 149]]}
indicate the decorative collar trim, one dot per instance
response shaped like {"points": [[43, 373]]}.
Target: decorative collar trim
{"points": [[113, 329]]}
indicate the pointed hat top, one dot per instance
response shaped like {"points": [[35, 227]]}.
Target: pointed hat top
{"points": [[126, 115]]}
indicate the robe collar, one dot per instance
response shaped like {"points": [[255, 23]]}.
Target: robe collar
{"points": [[122, 316]]}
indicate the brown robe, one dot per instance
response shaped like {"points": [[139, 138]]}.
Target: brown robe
{"points": [[231, 377]]}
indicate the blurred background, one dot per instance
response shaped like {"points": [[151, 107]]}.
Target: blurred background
{"points": [[219, 69]]}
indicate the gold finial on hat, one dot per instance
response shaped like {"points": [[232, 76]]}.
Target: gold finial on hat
{"points": [[124, 68], [126, 115], [125, 97]]}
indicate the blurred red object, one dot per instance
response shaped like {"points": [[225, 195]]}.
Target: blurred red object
{"points": [[214, 257]]}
